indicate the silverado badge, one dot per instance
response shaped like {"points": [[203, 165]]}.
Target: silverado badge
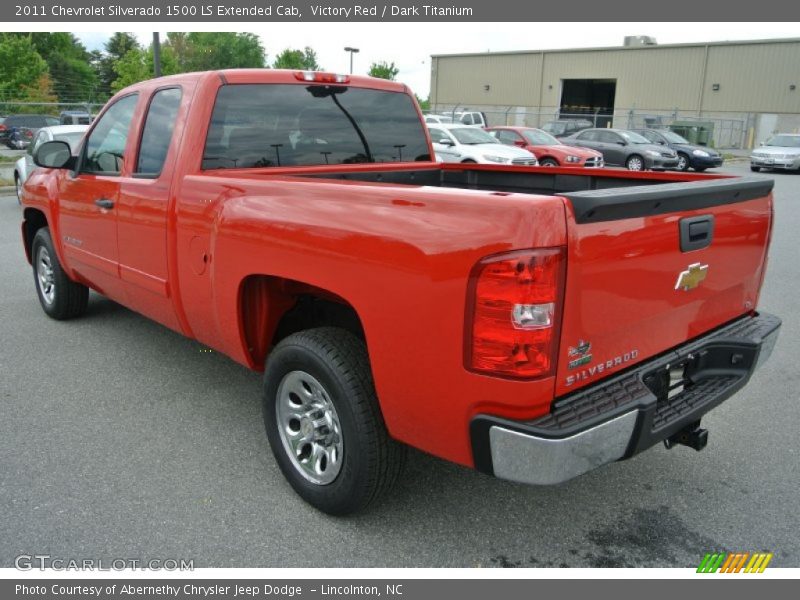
{"points": [[579, 354], [691, 277]]}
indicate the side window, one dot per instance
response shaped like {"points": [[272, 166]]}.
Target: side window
{"points": [[508, 137], [41, 137], [650, 136], [436, 134], [106, 143], [609, 138], [588, 136], [467, 119], [157, 134]]}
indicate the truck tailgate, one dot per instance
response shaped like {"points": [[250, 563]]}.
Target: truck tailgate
{"points": [[650, 267]]}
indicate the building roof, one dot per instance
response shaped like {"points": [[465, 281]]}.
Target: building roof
{"points": [[626, 48]]}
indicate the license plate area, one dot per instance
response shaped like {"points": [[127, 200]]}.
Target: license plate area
{"points": [[685, 371]]}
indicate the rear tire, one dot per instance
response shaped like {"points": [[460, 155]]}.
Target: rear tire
{"points": [[324, 424], [635, 163], [755, 169], [60, 297], [469, 161]]}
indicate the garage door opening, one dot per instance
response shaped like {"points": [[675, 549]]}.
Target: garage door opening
{"points": [[591, 99]]}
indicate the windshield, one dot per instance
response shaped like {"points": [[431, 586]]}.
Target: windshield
{"points": [[634, 138], [537, 137], [472, 135], [554, 128], [674, 138], [273, 125], [71, 138], [785, 141]]}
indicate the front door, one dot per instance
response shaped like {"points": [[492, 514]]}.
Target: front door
{"points": [[88, 201]]}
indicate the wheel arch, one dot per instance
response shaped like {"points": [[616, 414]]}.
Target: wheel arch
{"points": [[271, 308], [33, 220]]}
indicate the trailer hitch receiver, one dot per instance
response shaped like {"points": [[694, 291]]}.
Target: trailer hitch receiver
{"points": [[692, 436]]}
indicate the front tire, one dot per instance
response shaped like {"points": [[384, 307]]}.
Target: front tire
{"points": [[635, 163], [683, 162], [548, 162], [755, 169], [60, 297], [324, 424]]}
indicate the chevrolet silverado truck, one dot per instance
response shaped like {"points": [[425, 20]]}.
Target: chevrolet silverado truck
{"points": [[533, 323]]}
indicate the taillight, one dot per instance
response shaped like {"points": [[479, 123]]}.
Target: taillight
{"points": [[320, 77], [2, 127], [514, 313]]}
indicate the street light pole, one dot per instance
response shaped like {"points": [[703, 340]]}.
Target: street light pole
{"points": [[351, 51], [156, 55]]}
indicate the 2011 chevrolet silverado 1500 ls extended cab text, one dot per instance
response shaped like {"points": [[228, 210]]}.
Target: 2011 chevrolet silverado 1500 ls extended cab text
{"points": [[532, 323]]}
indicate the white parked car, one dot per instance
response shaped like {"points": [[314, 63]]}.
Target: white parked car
{"points": [[781, 151], [438, 119], [71, 134], [467, 144]]}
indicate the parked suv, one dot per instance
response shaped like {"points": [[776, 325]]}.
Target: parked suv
{"points": [[625, 149], [690, 155], [31, 122], [75, 117]]}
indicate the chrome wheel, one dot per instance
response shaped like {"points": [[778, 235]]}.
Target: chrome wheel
{"points": [[309, 427], [635, 164], [44, 274], [683, 163]]}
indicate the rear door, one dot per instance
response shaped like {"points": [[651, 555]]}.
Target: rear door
{"points": [[637, 286]]}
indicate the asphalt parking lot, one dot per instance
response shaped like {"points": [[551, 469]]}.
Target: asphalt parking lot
{"points": [[122, 439]]}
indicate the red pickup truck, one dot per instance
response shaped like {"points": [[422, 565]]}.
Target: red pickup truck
{"points": [[534, 323]]}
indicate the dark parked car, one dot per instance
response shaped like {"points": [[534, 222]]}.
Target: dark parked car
{"points": [[624, 148], [23, 122], [690, 155], [566, 127]]}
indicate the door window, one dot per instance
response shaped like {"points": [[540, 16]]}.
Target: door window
{"points": [[157, 133], [106, 143]]}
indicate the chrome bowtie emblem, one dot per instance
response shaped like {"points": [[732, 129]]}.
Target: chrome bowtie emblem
{"points": [[691, 277]]}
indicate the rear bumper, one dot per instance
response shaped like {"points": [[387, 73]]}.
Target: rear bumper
{"points": [[623, 415]]}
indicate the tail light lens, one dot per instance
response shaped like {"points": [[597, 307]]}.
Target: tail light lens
{"points": [[320, 77], [515, 312]]}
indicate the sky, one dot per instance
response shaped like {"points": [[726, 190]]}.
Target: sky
{"points": [[410, 45]]}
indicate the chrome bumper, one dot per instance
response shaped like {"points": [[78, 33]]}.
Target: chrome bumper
{"points": [[622, 416]]}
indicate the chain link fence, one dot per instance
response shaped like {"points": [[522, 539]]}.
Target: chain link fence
{"points": [[14, 107], [722, 132]]}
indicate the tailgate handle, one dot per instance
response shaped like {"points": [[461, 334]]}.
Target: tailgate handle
{"points": [[696, 232]]}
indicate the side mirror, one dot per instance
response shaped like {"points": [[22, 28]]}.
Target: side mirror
{"points": [[519, 143], [622, 143], [662, 143], [54, 155], [446, 142]]}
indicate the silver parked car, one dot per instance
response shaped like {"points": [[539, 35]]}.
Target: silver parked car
{"points": [[781, 151], [71, 134]]}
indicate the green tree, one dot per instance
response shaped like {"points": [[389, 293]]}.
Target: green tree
{"points": [[74, 79], [138, 65], [383, 70], [206, 51], [116, 48], [21, 68], [423, 104], [297, 59]]}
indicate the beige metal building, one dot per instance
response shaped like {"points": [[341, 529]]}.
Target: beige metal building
{"points": [[747, 89]]}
